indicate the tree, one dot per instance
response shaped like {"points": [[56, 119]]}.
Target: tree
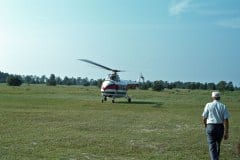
{"points": [[66, 81], [149, 84], [3, 77], [14, 80], [28, 79], [222, 85], [230, 86], [211, 86], [171, 86], [52, 80], [99, 82], [190, 85], [93, 82], [85, 82], [143, 86], [43, 79], [58, 80], [178, 84], [158, 85], [203, 86]]}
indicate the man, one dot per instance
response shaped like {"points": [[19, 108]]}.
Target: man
{"points": [[215, 119]]}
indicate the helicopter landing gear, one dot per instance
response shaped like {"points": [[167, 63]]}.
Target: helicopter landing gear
{"points": [[129, 99], [104, 99], [113, 99]]}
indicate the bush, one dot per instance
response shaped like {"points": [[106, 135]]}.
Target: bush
{"points": [[14, 80], [158, 85]]}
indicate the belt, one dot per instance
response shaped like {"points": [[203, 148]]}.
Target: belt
{"points": [[217, 124]]}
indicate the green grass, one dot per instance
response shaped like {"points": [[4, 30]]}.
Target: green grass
{"points": [[71, 123]]}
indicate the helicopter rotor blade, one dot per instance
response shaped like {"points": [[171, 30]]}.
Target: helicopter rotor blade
{"points": [[99, 65]]}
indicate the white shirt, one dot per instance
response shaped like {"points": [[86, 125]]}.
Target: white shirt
{"points": [[215, 112]]}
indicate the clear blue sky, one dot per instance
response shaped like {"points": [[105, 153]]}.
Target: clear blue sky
{"points": [[171, 40]]}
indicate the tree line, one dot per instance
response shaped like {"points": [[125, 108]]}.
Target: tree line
{"points": [[17, 80], [52, 80], [160, 85]]}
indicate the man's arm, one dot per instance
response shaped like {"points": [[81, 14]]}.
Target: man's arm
{"points": [[226, 127]]}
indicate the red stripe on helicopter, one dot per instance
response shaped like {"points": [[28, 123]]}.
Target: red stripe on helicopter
{"points": [[111, 86]]}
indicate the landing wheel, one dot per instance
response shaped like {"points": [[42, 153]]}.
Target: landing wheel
{"points": [[104, 99], [129, 100], [113, 101]]}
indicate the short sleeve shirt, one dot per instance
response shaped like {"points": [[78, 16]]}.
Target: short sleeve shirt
{"points": [[215, 112]]}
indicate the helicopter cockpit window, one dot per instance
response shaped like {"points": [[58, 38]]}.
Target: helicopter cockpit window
{"points": [[114, 77]]}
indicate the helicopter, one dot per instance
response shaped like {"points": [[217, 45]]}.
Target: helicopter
{"points": [[112, 86]]}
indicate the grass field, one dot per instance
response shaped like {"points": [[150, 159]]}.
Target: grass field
{"points": [[71, 123]]}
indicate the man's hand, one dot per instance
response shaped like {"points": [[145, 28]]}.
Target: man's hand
{"points": [[205, 122], [226, 128], [225, 136]]}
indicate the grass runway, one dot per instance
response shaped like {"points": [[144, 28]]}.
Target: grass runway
{"points": [[71, 123]]}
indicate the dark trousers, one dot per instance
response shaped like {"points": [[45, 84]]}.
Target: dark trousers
{"points": [[214, 137]]}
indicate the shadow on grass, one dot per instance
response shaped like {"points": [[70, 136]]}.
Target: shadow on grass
{"points": [[154, 104]]}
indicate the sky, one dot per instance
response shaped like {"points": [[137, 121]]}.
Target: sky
{"points": [[170, 40]]}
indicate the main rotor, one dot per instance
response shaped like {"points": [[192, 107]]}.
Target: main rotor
{"points": [[115, 71]]}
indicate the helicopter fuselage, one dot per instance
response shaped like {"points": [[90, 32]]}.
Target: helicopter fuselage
{"points": [[114, 89]]}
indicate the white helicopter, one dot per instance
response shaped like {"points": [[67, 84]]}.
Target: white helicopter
{"points": [[112, 86]]}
